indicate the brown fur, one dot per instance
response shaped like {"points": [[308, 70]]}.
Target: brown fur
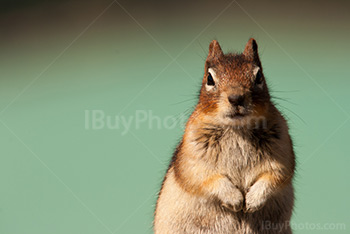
{"points": [[232, 171]]}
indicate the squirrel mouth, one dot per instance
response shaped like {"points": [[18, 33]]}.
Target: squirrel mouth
{"points": [[236, 115]]}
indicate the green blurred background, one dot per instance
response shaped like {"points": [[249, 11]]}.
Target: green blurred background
{"points": [[61, 60]]}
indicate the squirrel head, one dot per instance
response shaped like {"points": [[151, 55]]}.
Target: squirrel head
{"points": [[234, 89]]}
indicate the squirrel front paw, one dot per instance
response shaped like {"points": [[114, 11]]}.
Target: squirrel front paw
{"points": [[255, 198], [233, 200]]}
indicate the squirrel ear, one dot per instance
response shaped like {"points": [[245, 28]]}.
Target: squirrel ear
{"points": [[251, 51], [215, 50]]}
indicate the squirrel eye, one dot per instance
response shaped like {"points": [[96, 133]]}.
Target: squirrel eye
{"points": [[258, 78], [210, 80]]}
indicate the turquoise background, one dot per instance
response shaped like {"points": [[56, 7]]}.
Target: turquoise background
{"points": [[60, 59]]}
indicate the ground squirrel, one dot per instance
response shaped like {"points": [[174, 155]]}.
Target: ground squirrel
{"points": [[232, 171]]}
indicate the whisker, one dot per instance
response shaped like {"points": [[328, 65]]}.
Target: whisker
{"points": [[284, 91], [187, 100], [285, 108], [283, 99]]}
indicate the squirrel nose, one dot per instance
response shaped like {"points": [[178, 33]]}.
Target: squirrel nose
{"points": [[236, 100]]}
